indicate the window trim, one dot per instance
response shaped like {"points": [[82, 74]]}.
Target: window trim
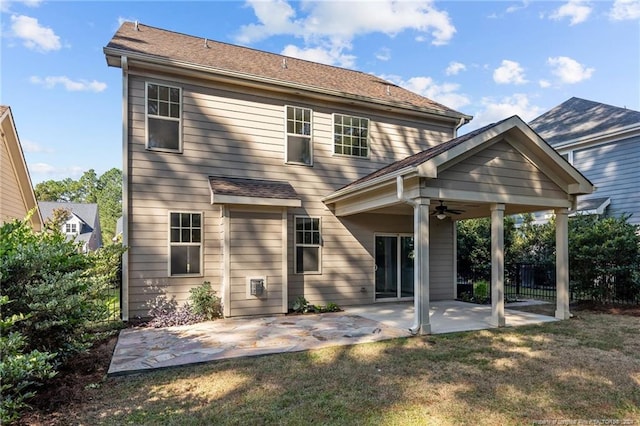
{"points": [[333, 136], [296, 245], [159, 117], [287, 134], [73, 228], [171, 244]]}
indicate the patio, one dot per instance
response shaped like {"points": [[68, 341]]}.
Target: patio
{"points": [[145, 349]]}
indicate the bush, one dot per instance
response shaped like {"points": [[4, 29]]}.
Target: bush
{"points": [[20, 371], [205, 302], [604, 258], [481, 291], [57, 295], [53, 285]]}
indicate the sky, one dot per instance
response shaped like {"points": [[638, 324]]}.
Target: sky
{"points": [[488, 59]]}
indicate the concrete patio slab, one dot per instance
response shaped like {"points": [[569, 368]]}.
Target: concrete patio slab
{"points": [[144, 349]]}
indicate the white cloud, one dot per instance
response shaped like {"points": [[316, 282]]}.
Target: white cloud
{"points": [[345, 20], [33, 147], [569, 70], [333, 25], [446, 93], [329, 56], [576, 10], [455, 68], [496, 110], [42, 171], [33, 35], [515, 8], [625, 10], [70, 85], [544, 84], [383, 54], [5, 5], [509, 72]]}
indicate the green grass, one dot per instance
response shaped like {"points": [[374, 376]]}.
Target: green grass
{"points": [[585, 368]]}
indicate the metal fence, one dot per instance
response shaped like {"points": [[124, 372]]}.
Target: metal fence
{"points": [[533, 281]]}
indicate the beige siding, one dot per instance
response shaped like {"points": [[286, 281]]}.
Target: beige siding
{"points": [[499, 169], [12, 204], [230, 131], [255, 240]]}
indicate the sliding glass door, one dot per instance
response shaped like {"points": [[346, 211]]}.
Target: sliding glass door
{"points": [[394, 266]]}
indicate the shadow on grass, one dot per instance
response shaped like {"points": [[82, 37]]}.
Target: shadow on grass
{"points": [[585, 368]]}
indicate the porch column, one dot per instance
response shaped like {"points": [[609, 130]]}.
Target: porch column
{"points": [[497, 265], [562, 264], [421, 266]]}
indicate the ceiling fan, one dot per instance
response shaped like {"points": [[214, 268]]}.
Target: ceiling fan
{"points": [[441, 211]]}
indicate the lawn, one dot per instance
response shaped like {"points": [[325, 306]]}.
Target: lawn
{"points": [[586, 368]]}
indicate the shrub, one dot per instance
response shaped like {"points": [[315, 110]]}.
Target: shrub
{"points": [[20, 371], [205, 302], [604, 258], [300, 305], [481, 291]]}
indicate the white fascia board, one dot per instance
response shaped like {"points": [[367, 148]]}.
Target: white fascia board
{"points": [[366, 186], [148, 61], [255, 201]]}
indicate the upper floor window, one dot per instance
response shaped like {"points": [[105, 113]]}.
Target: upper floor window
{"points": [[568, 156], [71, 228], [163, 118], [350, 135], [185, 243], [298, 140]]}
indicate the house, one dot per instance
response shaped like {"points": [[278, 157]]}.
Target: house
{"points": [[82, 224], [603, 142], [17, 198], [272, 178]]}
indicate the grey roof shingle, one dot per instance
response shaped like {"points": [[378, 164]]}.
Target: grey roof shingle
{"points": [[241, 187], [576, 118], [216, 57]]}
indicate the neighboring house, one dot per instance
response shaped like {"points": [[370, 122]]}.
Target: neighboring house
{"points": [[83, 224], [603, 142], [273, 177], [16, 192]]}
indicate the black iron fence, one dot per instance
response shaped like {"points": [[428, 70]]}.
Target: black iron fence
{"points": [[535, 281]]}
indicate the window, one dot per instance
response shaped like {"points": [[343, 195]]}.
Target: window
{"points": [[568, 156], [163, 118], [307, 254], [298, 143], [185, 242], [71, 228], [350, 135]]}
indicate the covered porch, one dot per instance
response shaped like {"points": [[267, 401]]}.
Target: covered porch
{"points": [[501, 169]]}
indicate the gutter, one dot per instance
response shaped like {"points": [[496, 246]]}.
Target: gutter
{"points": [[332, 198]]}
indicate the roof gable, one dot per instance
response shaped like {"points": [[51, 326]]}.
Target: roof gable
{"points": [[431, 162], [183, 51], [577, 118], [86, 212]]}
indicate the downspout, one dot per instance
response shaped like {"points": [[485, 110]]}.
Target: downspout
{"points": [[461, 123], [417, 288], [124, 304]]}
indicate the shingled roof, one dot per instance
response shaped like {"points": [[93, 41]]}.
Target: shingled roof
{"points": [[576, 118], [143, 42]]}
